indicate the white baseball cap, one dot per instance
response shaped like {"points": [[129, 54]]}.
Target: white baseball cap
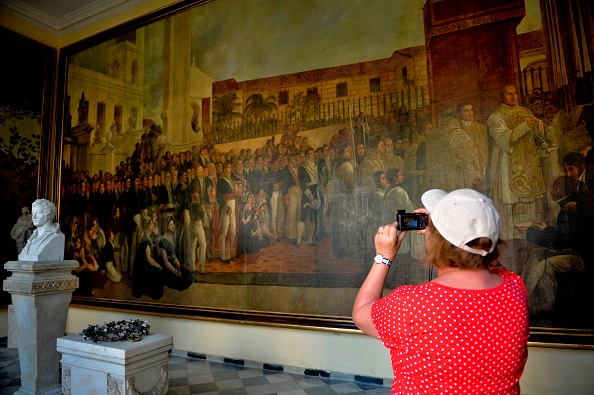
{"points": [[462, 216]]}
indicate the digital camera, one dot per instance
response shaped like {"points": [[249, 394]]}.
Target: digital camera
{"points": [[412, 221]]}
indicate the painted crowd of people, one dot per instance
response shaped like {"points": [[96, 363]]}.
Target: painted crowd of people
{"points": [[218, 206]]}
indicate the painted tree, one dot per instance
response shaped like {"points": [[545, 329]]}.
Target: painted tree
{"points": [[257, 105], [18, 156], [302, 104], [224, 108]]}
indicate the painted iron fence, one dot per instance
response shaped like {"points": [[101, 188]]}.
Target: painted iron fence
{"points": [[320, 114]]}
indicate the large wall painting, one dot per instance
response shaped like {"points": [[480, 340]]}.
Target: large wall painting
{"points": [[240, 156]]}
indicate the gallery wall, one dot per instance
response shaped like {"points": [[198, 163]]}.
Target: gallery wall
{"points": [[548, 370]]}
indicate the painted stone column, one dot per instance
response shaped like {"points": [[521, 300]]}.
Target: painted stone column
{"points": [[472, 52], [41, 293], [177, 104]]}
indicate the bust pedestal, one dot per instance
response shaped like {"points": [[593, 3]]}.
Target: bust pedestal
{"points": [[41, 293]]}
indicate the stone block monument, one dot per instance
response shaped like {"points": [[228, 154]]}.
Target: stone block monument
{"points": [[41, 288]]}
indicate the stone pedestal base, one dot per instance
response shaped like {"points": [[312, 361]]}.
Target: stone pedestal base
{"points": [[40, 292], [115, 367], [12, 330]]}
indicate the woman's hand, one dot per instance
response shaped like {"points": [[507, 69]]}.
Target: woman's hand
{"points": [[387, 243], [174, 268], [387, 240]]}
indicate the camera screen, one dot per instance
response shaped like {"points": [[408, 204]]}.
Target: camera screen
{"points": [[412, 221]]}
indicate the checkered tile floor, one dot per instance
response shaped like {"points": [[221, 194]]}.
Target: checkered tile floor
{"points": [[199, 376], [10, 372]]}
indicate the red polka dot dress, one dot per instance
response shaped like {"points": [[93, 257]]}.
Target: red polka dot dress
{"points": [[445, 340]]}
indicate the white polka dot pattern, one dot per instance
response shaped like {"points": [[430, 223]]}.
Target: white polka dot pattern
{"points": [[446, 340]]}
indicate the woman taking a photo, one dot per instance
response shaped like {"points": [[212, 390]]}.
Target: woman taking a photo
{"points": [[466, 330]]}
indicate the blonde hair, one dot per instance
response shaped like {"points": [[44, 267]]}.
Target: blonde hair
{"points": [[441, 253], [144, 224]]}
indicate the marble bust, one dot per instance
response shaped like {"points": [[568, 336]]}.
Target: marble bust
{"points": [[47, 241]]}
